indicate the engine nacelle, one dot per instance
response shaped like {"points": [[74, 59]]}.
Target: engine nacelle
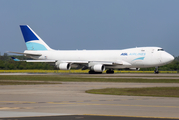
{"points": [[64, 66], [98, 68]]}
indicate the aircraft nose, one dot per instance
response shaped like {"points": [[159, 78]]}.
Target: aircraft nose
{"points": [[167, 57]]}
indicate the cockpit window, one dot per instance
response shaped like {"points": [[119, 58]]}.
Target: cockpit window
{"points": [[160, 49]]}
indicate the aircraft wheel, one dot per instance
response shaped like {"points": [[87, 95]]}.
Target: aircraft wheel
{"points": [[156, 71], [93, 72], [110, 71]]}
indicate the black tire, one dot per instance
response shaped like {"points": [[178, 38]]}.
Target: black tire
{"points": [[93, 72], [110, 71], [156, 72]]}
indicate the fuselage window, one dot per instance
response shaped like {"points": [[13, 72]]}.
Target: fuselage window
{"points": [[160, 49]]}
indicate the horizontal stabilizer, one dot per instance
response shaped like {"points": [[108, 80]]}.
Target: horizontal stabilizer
{"points": [[41, 61], [32, 54]]}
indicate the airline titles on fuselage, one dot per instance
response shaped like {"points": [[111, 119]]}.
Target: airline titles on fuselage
{"points": [[136, 54]]}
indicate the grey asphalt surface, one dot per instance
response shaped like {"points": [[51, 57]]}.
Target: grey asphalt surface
{"points": [[83, 117], [69, 98]]}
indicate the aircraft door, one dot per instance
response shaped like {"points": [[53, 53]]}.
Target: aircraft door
{"points": [[156, 57]]}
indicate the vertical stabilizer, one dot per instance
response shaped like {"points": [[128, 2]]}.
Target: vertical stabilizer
{"points": [[32, 40]]}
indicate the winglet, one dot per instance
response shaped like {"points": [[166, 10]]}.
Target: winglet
{"points": [[15, 59]]}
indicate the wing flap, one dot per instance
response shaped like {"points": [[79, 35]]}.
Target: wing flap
{"points": [[119, 62]]}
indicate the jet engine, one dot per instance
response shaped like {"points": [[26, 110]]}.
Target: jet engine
{"points": [[64, 66], [98, 68]]}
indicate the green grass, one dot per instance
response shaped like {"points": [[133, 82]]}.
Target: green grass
{"points": [[23, 83], [155, 91], [75, 71], [75, 78], [48, 79]]}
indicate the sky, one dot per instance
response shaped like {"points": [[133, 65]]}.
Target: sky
{"points": [[91, 24]]}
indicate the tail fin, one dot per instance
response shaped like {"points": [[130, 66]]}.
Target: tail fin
{"points": [[32, 40]]}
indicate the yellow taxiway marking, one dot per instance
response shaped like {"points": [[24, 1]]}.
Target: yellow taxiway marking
{"points": [[17, 102], [5, 108], [11, 101], [132, 116], [77, 103], [116, 105]]}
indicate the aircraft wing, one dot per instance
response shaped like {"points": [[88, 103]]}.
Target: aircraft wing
{"points": [[31, 54], [76, 64], [108, 63], [16, 59], [97, 62]]}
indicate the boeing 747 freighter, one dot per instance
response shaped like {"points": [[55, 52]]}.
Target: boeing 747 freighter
{"points": [[95, 60]]}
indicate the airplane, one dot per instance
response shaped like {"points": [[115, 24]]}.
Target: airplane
{"points": [[96, 61]]}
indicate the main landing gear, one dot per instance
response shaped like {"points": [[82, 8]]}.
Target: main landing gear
{"points": [[156, 71], [93, 72], [110, 71]]}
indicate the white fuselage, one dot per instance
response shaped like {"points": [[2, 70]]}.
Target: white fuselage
{"points": [[134, 57]]}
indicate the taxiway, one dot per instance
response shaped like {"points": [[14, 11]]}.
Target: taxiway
{"points": [[69, 98]]}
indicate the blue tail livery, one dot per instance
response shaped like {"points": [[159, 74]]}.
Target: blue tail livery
{"points": [[15, 59], [32, 40]]}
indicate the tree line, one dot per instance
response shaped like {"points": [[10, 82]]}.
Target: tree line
{"points": [[7, 63]]}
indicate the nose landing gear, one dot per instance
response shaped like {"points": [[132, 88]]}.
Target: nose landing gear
{"points": [[156, 71]]}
